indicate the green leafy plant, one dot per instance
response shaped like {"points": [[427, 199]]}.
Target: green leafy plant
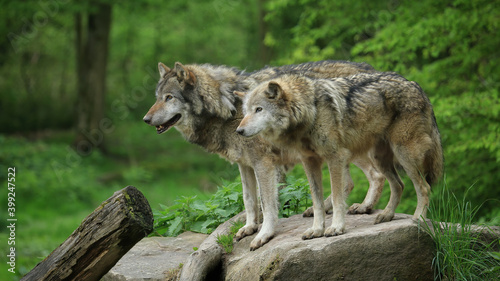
{"points": [[191, 214], [294, 197], [460, 253]]}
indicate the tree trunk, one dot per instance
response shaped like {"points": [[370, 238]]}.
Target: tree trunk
{"points": [[92, 41], [264, 51], [100, 241]]}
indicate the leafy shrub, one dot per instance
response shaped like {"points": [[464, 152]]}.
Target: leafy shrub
{"points": [[295, 197], [191, 214]]}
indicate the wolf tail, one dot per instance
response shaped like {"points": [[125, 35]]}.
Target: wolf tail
{"points": [[434, 160]]}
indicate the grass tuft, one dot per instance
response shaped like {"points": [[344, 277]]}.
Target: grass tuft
{"points": [[461, 254]]}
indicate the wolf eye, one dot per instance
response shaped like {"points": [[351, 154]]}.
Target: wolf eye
{"points": [[168, 97], [258, 109]]}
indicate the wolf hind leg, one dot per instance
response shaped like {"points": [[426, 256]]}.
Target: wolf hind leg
{"points": [[384, 159], [376, 180], [249, 185], [309, 212], [411, 155]]}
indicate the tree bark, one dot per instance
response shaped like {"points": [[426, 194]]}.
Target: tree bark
{"points": [[100, 241], [92, 44], [264, 51]]}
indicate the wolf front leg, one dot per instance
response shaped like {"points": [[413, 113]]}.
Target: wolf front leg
{"points": [[312, 167], [336, 164], [250, 200], [268, 176]]}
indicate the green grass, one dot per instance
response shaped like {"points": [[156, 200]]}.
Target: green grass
{"points": [[226, 240], [460, 253]]}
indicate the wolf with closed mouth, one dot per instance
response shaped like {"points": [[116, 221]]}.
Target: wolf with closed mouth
{"points": [[198, 101], [336, 120]]}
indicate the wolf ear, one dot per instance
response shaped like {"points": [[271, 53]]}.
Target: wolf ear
{"points": [[241, 95], [274, 90], [183, 74], [163, 69]]}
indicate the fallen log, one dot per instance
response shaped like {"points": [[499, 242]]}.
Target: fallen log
{"points": [[100, 241]]}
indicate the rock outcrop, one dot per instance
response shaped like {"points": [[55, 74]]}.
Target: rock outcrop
{"points": [[396, 250], [155, 258]]}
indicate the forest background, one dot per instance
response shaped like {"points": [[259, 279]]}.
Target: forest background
{"points": [[76, 78]]}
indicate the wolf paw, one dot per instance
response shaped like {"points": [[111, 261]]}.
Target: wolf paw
{"points": [[384, 217], [308, 213], [357, 208], [259, 240], [312, 233], [334, 231], [418, 218], [246, 231]]}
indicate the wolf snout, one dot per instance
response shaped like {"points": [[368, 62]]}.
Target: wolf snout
{"points": [[240, 131], [147, 119]]}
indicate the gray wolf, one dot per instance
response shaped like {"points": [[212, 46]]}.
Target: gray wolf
{"points": [[336, 120], [198, 101]]}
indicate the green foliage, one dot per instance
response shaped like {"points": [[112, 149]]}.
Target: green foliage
{"points": [[460, 253], [315, 30], [226, 240], [294, 197], [38, 64], [191, 214], [495, 269]]}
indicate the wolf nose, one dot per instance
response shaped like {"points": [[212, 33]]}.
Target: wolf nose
{"points": [[240, 131], [147, 119]]}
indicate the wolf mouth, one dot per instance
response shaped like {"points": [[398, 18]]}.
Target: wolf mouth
{"points": [[167, 125]]}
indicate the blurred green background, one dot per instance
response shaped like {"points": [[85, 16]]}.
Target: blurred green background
{"points": [[451, 48]]}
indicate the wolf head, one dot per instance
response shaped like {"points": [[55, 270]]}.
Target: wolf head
{"points": [[276, 106], [187, 92], [260, 108], [170, 106]]}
